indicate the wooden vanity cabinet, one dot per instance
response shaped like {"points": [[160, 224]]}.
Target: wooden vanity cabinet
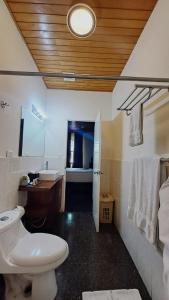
{"points": [[43, 202]]}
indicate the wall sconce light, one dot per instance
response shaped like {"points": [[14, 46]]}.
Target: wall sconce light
{"points": [[37, 114]]}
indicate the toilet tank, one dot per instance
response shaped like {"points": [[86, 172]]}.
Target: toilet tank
{"points": [[11, 229]]}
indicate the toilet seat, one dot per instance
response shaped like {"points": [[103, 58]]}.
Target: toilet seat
{"points": [[38, 249]]}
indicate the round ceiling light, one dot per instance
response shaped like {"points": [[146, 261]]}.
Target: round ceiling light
{"points": [[81, 20]]}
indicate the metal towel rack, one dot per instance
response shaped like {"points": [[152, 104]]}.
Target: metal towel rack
{"points": [[140, 94]]}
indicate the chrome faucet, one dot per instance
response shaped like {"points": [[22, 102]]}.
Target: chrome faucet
{"points": [[46, 165]]}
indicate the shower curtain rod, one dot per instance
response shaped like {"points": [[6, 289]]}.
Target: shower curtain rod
{"points": [[83, 76]]}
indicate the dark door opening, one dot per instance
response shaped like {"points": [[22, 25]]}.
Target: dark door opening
{"points": [[79, 166]]}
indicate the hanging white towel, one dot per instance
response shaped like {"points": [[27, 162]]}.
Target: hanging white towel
{"points": [[163, 216], [136, 126], [143, 201]]}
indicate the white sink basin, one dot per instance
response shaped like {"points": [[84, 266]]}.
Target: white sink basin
{"points": [[48, 175]]}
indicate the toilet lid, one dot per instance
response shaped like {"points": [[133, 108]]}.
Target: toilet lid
{"points": [[38, 249]]}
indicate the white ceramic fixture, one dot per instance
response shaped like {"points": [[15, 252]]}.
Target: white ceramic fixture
{"points": [[48, 175], [33, 255]]}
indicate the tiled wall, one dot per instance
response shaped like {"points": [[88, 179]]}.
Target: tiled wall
{"points": [[147, 259], [106, 156], [106, 177], [11, 170]]}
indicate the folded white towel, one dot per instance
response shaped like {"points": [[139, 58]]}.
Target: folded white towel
{"points": [[143, 201], [136, 126], [112, 295], [163, 216]]}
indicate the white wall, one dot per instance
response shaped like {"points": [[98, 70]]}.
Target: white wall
{"points": [[17, 91], [62, 106], [149, 58]]}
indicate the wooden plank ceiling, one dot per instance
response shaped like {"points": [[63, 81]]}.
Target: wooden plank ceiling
{"points": [[54, 49]]}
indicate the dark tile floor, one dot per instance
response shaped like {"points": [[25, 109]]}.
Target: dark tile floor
{"points": [[78, 197], [97, 261]]}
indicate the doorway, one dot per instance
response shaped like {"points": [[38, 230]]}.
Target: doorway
{"points": [[79, 166]]}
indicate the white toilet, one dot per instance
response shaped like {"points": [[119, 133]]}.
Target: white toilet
{"points": [[35, 255]]}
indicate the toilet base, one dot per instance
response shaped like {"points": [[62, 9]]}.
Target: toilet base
{"points": [[44, 286], [40, 286], [16, 287]]}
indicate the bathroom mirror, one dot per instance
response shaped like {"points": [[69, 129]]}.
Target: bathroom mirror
{"points": [[32, 133]]}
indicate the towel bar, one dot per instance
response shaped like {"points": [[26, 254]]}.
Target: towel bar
{"points": [[142, 96]]}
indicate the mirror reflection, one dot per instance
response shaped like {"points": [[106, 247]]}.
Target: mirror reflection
{"points": [[32, 133]]}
